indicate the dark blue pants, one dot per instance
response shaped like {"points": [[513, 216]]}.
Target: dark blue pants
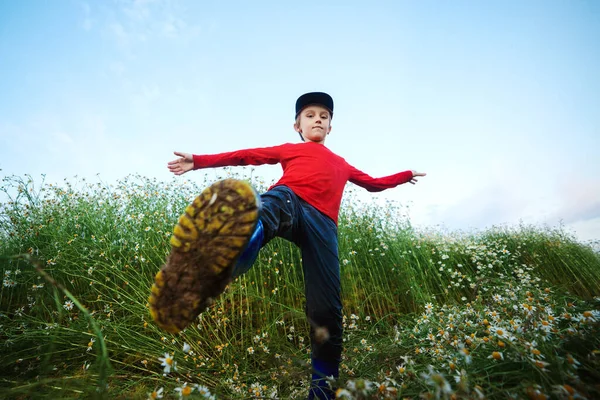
{"points": [[288, 216]]}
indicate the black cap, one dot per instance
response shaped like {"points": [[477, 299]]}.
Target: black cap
{"points": [[319, 98]]}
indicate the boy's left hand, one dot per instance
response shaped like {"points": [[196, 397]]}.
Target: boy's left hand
{"points": [[415, 173]]}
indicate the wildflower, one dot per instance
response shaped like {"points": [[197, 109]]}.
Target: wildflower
{"points": [[428, 308], [186, 348], [203, 391], [466, 354], [540, 364], [462, 380], [156, 394], [8, 283], [498, 331], [360, 386], [591, 315], [256, 389], [184, 390], [565, 391], [572, 361], [496, 355], [90, 344], [250, 350], [343, 394], [68, 305], [167, 362], [438, 381]]}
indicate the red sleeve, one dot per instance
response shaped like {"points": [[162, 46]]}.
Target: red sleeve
{"points": [[257, 156], [378, 184]]}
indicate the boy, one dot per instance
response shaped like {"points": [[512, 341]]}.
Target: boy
{"points": [[219, 236]]}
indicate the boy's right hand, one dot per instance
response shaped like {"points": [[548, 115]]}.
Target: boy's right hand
{"points": [[183, 164]]}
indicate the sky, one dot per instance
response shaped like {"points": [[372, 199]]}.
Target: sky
{"points": [[497, 101]]}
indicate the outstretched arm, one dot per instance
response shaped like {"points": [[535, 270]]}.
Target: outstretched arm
{"points": [[378, 184], [183, 164], [258, 156]]}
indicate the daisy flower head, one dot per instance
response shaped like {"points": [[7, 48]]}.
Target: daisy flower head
{"points": [[156, 394], [428, 308], [360, 386], [90, 344], [437, 380], [203, 392], [168, 362], [184, 390], [343, 394]]}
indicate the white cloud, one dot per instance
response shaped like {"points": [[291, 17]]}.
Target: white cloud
{"points": [[578, 200]]}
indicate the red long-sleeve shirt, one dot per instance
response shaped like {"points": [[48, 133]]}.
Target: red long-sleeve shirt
{"points": [[311, 170]]}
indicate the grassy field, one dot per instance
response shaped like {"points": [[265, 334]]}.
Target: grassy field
{"points": [[511, 312]]}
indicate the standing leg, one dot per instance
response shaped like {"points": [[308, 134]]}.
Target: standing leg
{"points": [[323, 297]]}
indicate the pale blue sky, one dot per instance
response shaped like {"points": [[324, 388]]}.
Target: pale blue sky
{"points": [[498, 101]]}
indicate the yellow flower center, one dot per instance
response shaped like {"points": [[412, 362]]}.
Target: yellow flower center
{"points": [[496, 355], [169, 361], [569, 389], [186, 391]]}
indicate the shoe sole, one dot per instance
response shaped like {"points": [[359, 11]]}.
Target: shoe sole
{"points": [[207, 241]]}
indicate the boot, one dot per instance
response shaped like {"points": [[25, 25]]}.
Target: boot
{"points": [[319, 388], [207, 241]]}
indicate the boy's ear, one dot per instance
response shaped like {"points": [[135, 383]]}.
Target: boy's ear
{"points": [[297, 128]]}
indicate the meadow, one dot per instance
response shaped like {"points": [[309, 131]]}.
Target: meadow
{"points": [[509, 312]]}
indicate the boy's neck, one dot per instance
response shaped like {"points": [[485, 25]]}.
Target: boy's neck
{"points": [[310, 141]]}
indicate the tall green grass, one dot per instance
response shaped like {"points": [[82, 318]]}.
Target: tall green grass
{"points": [[504, 312]]}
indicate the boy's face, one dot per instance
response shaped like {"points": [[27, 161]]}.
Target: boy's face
{"points": [[314, 124]]}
